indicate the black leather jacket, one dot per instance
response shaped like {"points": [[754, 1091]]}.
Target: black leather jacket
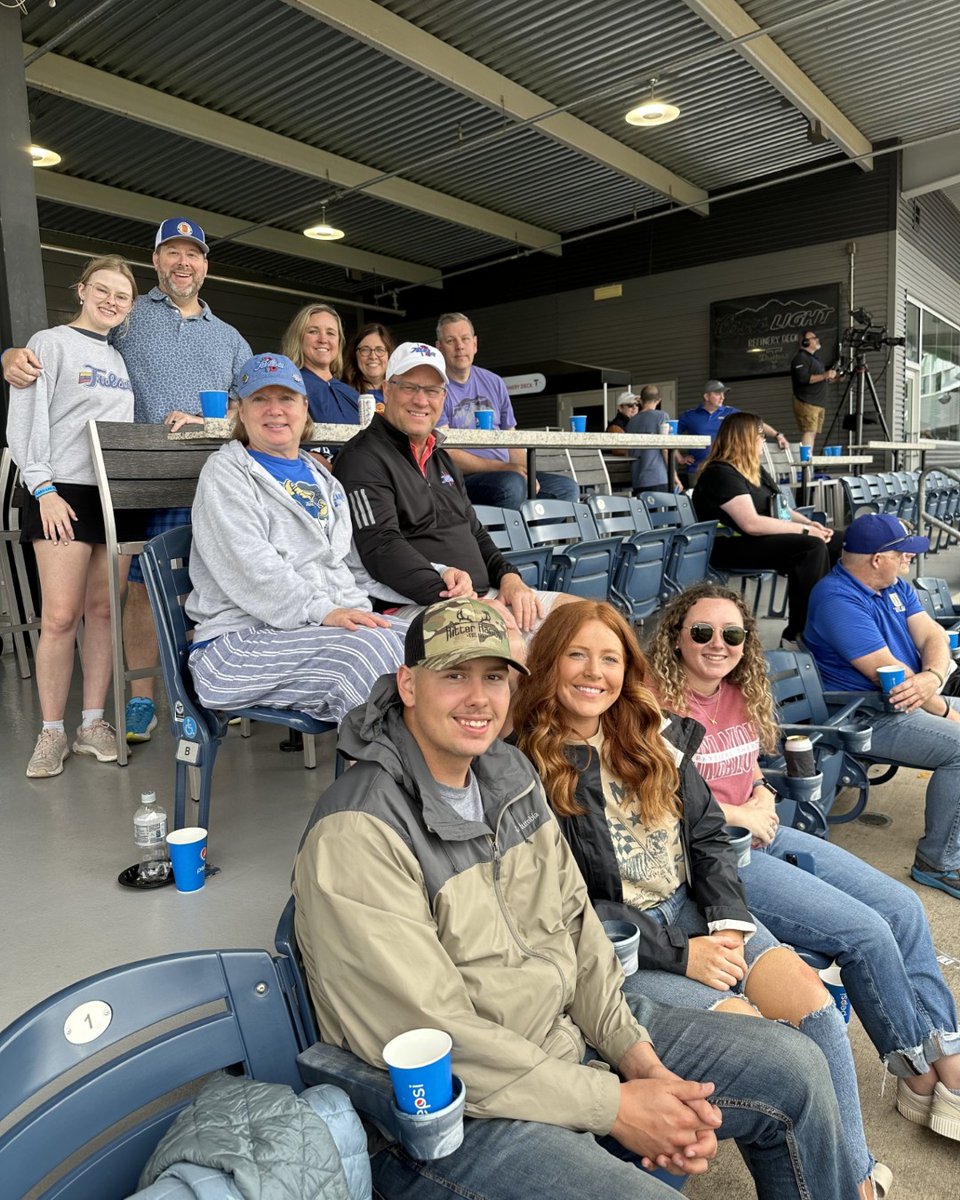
{"points": [[709, 859]]}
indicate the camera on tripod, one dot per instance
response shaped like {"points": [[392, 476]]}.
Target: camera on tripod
{"points": [[869, 336]]}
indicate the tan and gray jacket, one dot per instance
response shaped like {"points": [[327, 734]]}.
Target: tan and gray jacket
{"points": [[410, 916]]}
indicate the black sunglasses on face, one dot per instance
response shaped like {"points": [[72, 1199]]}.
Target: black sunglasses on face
{"points": [[702, 633]]}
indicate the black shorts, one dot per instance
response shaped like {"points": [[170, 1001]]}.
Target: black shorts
{"points": [[84, 499]]}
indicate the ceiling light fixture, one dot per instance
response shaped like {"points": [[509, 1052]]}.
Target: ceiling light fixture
{"points": [[324, 232], [42, 157], [653, 111]]}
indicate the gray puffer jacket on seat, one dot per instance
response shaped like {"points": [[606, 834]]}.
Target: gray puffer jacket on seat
{"points": [[244, 1140]]}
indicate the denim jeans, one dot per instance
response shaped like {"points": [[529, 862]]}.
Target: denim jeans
{"points": [[772, 1087], [824, 1026], [918, 739], [508, 489], [877, 931]]}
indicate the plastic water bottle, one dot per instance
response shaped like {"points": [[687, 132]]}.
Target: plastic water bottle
{"points": [[150, 836]]}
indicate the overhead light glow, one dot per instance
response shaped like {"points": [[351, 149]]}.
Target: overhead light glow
{"points": [[654, 112], [42, 157], [324, 233]]}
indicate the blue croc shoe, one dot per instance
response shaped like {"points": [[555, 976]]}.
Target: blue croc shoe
{"points": [[944, 881], [141, 720]]}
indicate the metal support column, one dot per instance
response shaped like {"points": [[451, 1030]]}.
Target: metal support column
{"points": [[23, 306]]}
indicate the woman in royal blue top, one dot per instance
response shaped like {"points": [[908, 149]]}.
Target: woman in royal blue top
{"points": [[314, 341]]}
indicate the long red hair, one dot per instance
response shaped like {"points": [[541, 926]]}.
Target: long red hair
{"points": [[634, 752]]}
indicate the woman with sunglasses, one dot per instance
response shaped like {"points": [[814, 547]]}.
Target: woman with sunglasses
{"points": [[733, 489], [707, 663], [650, 841], [365, 360]]}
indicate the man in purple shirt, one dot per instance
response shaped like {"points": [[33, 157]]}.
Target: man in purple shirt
{"points": [[492, 476]]}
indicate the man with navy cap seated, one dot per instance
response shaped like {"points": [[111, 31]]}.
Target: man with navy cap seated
{"points": [[864, 616]]}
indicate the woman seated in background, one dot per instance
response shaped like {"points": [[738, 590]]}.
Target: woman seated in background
{"points": [[365, 361], [280, 599], [314, 341], [650, 841], [734, 489], [706, 662]]}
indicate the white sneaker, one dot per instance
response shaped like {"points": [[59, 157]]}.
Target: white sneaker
{"points": [[915, 1108], [48, 754], [945, 1113]]}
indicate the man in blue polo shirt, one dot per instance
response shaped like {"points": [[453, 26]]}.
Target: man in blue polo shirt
{"points": [[174, 348], [704, 421], [863, 616]]}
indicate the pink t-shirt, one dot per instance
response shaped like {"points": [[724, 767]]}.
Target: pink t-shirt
{"points": [[727, 757]]}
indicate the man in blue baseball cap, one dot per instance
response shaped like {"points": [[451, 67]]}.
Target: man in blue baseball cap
{"points": [[174, 348], [864, 616]]}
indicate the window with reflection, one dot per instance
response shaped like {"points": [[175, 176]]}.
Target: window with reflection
{"points": [[939, 378]]}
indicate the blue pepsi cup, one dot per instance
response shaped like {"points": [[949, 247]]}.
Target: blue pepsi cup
{"points": [[420, 1070], [674, 427], [213, 404], [578, 424], [954, 636], [188, 854], [830, 978], [806, 453], [484, 418]]}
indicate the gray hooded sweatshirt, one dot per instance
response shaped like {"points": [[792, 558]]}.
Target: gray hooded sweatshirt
{"points": [[260, 559]]}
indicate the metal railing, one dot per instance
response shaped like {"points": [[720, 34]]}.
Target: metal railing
{"points": [[928, 519]]}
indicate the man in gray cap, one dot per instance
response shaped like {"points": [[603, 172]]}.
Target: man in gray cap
{"points": [[705, 420]]}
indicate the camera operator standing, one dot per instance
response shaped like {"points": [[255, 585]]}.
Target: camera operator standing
{"points": [[810, 378]]}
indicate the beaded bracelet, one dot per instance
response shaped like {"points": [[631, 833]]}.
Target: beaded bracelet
{"points": [[44, 491]]}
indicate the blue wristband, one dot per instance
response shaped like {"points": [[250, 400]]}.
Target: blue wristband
{"points": [[44, 491]]}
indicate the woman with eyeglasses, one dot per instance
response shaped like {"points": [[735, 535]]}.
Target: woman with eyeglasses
{"points": [[314, 342], [280, 599], [707, 663], [366, 360], [733, 489], [650, 841], [84, 378]]}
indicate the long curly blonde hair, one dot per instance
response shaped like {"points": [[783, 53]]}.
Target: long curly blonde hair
{"points": [[749, 675], [633, 749]]}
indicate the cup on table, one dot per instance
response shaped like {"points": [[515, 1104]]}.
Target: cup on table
{"points": [[420, 1070], [214, 404], [830, 978], [741, 840], [798, 751], [664, 429], [674, 427], [806, 453], [188, 854], [626, 942], [484, 418], [833, 451], [578, 424]]}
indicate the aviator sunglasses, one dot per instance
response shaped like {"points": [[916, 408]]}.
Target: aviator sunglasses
{"points": [[702, 632]]}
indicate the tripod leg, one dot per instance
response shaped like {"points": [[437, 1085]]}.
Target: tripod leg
{"points": [[879, 411]]}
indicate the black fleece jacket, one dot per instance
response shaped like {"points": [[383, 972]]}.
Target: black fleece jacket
{"points": [[710, 861], [405, 519]]}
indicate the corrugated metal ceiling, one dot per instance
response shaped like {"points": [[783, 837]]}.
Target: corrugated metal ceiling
{"points": [[887, 65]]}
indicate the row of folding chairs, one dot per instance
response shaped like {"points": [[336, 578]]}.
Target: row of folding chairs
{"points": [[634, 551]]}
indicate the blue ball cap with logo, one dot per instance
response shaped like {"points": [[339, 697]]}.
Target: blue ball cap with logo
{"points": [[876, 532], [268, 370], [180, 227]]}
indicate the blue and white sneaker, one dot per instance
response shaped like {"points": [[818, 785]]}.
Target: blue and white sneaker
{"points": [[944, 881], [141, 719]]}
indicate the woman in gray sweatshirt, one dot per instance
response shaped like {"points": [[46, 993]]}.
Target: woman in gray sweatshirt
{"points": [[83, 379], [280, 598]]}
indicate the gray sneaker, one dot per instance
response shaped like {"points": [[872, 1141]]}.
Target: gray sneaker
{"points": [[48, 754], [98, 739]]}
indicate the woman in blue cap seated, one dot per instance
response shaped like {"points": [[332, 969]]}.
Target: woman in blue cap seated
{"points": [[280, 599]]}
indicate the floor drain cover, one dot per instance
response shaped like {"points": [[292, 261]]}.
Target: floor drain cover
{"points": [[880, 819]]}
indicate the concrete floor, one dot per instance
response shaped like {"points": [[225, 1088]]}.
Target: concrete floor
{"points": [[65, 840]]}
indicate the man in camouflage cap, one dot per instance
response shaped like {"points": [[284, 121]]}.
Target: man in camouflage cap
{"points": [[435, 889]]}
